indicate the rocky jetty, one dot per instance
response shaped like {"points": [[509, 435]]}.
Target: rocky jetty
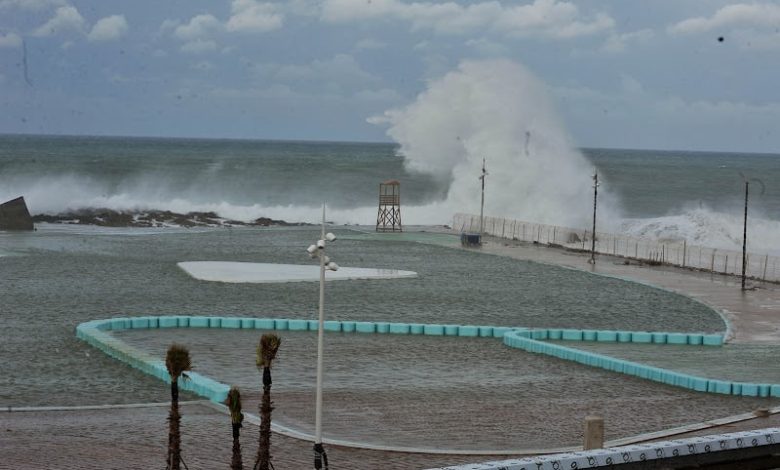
{"points": [[113, 218]]}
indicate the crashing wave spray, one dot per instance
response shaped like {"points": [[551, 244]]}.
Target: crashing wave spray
{"points": [[499, 111]]}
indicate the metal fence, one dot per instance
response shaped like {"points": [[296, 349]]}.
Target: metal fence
{"points": [[671, 252]]}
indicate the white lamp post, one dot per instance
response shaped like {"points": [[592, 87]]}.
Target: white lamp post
{"points": [[318, 250]]}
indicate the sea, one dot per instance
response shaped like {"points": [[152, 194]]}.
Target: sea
{"points": [[60, 275], [697, 196]]}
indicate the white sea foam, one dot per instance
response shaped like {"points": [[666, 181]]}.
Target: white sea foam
{"points": [[497, 110]]}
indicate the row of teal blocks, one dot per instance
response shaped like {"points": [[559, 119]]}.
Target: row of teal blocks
{"points": [[521, 339], [610, 336], [303, 325], [201, 385]]}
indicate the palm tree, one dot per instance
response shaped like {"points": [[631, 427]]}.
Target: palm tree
{"points": [[236, 417], [266, 353], [177, 361]]}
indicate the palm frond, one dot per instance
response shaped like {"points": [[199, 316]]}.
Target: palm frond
{"points": [[267, 349], [177, 360], [234, 405]]}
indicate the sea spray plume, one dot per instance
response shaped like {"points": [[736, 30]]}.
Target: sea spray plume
{"points": [[499, 111]]}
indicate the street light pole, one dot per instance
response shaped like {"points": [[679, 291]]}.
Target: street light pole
{"points": [[482, 205], [593, 235], [320, 457], [744, 235]]}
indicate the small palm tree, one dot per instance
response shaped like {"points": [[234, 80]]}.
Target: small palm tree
{"points": [[236, 417], [266, 353], [177, 361]]}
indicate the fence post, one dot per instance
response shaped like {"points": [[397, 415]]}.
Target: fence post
{"points": [[712, 264], [726, 265], [594, 433]]}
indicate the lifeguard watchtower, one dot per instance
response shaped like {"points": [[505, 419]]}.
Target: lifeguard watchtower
{"points": [[388, 219]]}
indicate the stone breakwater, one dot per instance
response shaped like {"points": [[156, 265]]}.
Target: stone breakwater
{"points": [[154, 218]]}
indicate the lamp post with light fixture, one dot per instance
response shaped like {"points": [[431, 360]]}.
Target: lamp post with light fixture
{"points": [[318, 250]]}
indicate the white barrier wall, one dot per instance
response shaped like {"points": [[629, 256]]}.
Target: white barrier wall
{"points": [[758, 266]]}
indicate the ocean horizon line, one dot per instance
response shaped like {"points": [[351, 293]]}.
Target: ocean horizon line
{"points": [[353, 142]]}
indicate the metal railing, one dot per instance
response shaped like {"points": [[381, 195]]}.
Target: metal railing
{"points": [[669, 252]]}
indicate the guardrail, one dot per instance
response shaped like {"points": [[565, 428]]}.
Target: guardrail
{"points": [[695, 452], [678, 253]]}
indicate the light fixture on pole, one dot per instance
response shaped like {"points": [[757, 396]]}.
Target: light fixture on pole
{"points": [[744, 226], [592, 259], [318, 251]]}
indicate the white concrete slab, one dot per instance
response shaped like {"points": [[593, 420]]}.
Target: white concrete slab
{"points": [[238, 272]]}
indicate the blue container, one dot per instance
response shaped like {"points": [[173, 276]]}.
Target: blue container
{"points": [[712, 340], [451, 330], [281, 324], [677, 338], [215, 322], [695, 339], [348, 326], [606, 336], [500, 331], [468, 330], [183, 322], [485, 331], [571, 335], [382, 327], [298, 325], [265, 324], [399, 328], [248, 323], [198, 322], [416, 328], [433, 330], [659, 338], [365, 327], [329, 325], [641, 337], [230, 323], [589, 335], [139, 323], [624, 336], [554, 334]]}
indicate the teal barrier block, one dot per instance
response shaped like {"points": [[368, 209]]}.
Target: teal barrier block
{"points": [[416, 328], [499, 331], [313, 325], [624, 336], [468, 330], [485, 331], [168, 322], [523, 333], [451, 330], [721, 386], [183, 322], [264, 324], [659, 338], [281, 324], [695, 339], [365, 327], [433, 330], [589, 335], [571, 335], [764, 390], [677, 338], [118, 324], [749, 390], [554, 334], [215, 322], [153, 322], [139, 323], [712, 340], [348, 326], [298, 325], [699, 384], [606, 336], [399, 328], [330, 325], [248, 323], [199, 322], [629, 368], [539, 334], [382, 327], [230, 323], [641, 337], [774, 391], [736, 388]]}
